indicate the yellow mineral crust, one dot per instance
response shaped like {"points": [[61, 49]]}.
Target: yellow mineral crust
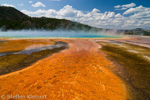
{"points": [[77, 73]]}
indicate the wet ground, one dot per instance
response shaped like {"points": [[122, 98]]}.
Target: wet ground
{"points": [[139, 41], [16, 60], [78, 72], [132, 60], [90, 69]]}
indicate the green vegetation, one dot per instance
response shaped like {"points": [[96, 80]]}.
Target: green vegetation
{"points": [[145, 33], [10, 18], [13, 62], [137, 66], [138, 31], [10, 13], [42, 23]]}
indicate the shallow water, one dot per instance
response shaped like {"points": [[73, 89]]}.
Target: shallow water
{"points": [[17, 60], [53, 34], [38, 49]]}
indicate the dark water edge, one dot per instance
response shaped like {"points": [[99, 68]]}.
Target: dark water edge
{"points": [[132, 69], [17, 60]]}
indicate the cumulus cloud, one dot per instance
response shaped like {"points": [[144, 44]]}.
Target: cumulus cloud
{"points": [[30, 1], [21, 4], [7, 5], [137, 10], [38, 4], [123, 7], [140, 17]]}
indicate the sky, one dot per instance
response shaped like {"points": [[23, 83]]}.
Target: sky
{"points": [[115, 14]]}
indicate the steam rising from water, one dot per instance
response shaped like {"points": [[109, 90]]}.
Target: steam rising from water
{"points": [[58, 34]]}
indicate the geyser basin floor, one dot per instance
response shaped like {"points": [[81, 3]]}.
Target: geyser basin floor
{"points": [[134, 64], [75, 73], [7, 45], [17, 60]]}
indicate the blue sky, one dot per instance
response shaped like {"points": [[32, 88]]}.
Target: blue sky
{"points": [[124, 14]]}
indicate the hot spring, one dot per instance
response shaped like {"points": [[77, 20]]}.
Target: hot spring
{"points": [[54, 34]]}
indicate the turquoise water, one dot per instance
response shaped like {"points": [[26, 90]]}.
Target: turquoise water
{"points": [[53, 34]]}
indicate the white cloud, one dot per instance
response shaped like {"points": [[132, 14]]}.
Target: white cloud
{"points": [[7, 5], [38, 4], [140, 17], [95, 10], [30, 1], [123, 7], [21, 4], [118, 6], [137, 10], [129, 5]]}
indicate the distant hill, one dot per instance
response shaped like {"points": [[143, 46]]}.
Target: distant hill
{"points": [[13, 19], [10, 13], [137, 31]]}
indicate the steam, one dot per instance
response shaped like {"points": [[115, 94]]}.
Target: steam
{"points": [[61, 34], [114, 32]]}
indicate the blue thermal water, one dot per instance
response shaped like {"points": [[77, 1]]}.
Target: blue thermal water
{"points": [[53, 34]]}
